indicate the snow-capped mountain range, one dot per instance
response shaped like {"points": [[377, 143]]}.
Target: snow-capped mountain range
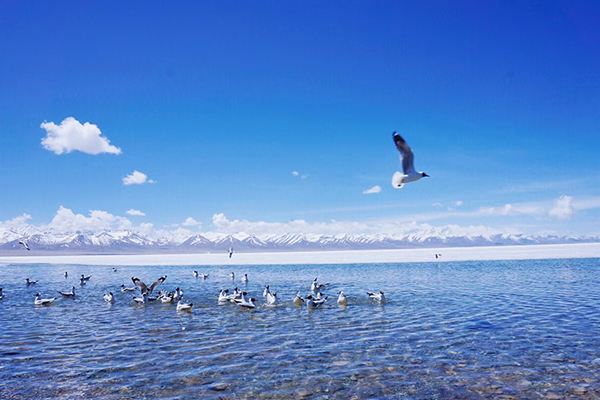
{"points": [[182, 241]]}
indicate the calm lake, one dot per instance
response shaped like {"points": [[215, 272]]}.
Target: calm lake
{"points": [[512, 330]]}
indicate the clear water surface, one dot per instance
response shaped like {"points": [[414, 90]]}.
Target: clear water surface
{"points": [[472, 330]]}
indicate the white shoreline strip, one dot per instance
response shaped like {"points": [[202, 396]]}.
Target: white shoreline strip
{"points": [[529, 252]]}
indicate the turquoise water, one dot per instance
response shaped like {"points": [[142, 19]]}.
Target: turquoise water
{"points": [[518, 329]]}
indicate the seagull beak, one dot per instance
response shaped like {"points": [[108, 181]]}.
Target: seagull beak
{"points": [[425, 175]]}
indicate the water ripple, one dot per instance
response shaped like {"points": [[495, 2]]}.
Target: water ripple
{"points": [[472, 330]]}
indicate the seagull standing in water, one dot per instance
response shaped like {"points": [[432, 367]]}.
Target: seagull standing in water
{"points": [[406, 155]]}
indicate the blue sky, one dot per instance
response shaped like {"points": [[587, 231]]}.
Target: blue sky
{"points": [[219, 102]]}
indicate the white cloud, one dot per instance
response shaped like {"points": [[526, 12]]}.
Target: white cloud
{"points": [[66, 220], [136, 178], [374, 189], [135, 212], [16, 221], [333, 227], [71, 135], [296, 173], [458, 203], [563, 209], [190, 222]]}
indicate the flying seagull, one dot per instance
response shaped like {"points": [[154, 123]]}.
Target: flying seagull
{"points": [[24, 244], [142, 286], [406, 155]]}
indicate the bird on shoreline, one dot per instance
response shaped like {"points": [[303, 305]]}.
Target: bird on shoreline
{"points": [[406, 155]]}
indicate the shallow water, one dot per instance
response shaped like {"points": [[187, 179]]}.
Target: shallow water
{"points": [[518, 329]]}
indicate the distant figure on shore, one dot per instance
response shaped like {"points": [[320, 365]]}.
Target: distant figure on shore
{"points": [[230, 252], [438, 256]]}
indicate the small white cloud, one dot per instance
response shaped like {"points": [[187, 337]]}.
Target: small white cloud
{"points": [[563, 209], [66, 220], [374, 189], [135, 212], [437, 204], [17, 221], [190, 222], [136, 178], [295, 173], [71, 135], [458, 203]]}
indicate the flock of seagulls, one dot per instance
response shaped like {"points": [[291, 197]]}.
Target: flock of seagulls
{"points": [[241, 298]]}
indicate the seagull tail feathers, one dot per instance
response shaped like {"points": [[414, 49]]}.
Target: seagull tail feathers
{"points": [[397, 179]]}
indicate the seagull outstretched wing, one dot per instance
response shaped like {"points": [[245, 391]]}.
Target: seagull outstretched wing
{"points": [[406, 154], [158, 282], [141, 285]]}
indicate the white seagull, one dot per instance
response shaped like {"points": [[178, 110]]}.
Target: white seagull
{"points": [[141, 300], [271, 298], [66, 274], [245, 278], [29, 283], [68, 294], [246, 303], [24, 244], [184, 306], [313, 303], [204, 276], [142, 286], [232, 275], [1, 294], [379, 297], [109, 298], [406, 155], [298, 300], [195, 274], [42, 302], [266, 291], [342, 299], [84, 279], [223, 296], [127, 289], [178, 294]]}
